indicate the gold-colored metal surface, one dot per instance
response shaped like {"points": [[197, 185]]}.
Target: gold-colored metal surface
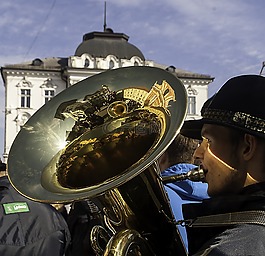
{"points": [[138, 214], [99, 140], [148, 106], [100, 155], [128, 242], [196, 174]]}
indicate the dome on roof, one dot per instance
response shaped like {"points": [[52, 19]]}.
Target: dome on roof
{"points": [[102, 44]]}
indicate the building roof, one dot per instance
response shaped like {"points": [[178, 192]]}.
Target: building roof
{"points": [[181, 73], [102, 44], [57, 63], [54, 63]]}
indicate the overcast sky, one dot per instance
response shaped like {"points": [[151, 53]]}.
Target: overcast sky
{"points": [[219, 38]]}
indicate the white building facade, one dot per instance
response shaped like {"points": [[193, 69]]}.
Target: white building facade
{"points": [[30, 85]]}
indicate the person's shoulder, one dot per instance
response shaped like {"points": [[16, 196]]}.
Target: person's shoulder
{"points": [[245, 239], [4, 182], [32, 225], [185, 167], [10, 196]]}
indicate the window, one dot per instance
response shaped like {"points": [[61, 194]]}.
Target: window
{"points": [[111, 64], [191, 105], [48, 94], [87, 62], [25, 98]]}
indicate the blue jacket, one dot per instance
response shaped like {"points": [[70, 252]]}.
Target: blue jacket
{"points": [[183, 192]]}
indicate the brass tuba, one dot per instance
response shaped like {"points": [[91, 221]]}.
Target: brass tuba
{"points": [[99, 140]]}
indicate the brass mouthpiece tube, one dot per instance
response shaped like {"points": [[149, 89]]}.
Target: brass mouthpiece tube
{"points": [[196, 174]]}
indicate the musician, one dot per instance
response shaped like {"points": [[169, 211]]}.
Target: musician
{"points": [[177, 159], [232, 153], [28, 227]]}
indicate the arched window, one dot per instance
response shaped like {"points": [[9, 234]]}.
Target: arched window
{"points": [[111, 64], [86, 63], [191, 105]]}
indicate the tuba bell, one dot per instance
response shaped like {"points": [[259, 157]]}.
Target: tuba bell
{"points": [[99, 140]]}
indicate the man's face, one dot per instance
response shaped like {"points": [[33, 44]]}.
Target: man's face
{"points": [[220, 159]]}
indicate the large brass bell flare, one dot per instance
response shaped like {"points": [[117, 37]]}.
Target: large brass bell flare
{"points": [[97, 134]]}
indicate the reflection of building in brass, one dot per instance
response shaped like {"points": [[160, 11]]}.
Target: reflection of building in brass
{"points": [[119, 120], [160, 95], [97, 108], [90, 160]]}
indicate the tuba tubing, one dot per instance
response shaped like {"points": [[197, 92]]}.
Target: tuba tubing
{"points": [[138, 216], [127, 242], [196, 174]]}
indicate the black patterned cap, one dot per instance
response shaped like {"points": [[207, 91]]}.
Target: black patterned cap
{"points": [[238, 104]]}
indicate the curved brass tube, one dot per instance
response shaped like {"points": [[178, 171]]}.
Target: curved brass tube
{"points": [[196, 174], [127, 242], [98, 233]]}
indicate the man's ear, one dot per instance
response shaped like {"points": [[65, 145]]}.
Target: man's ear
{"points": [[249, 146]]}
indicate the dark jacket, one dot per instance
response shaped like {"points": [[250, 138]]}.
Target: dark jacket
{"points": [[28, 227], [240, 239], [82, 217]]}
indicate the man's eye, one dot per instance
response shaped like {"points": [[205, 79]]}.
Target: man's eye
{"points": [[199, 142], [208, 141]]}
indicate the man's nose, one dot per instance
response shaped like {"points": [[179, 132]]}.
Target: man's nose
{"points": [[199, 151]]}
